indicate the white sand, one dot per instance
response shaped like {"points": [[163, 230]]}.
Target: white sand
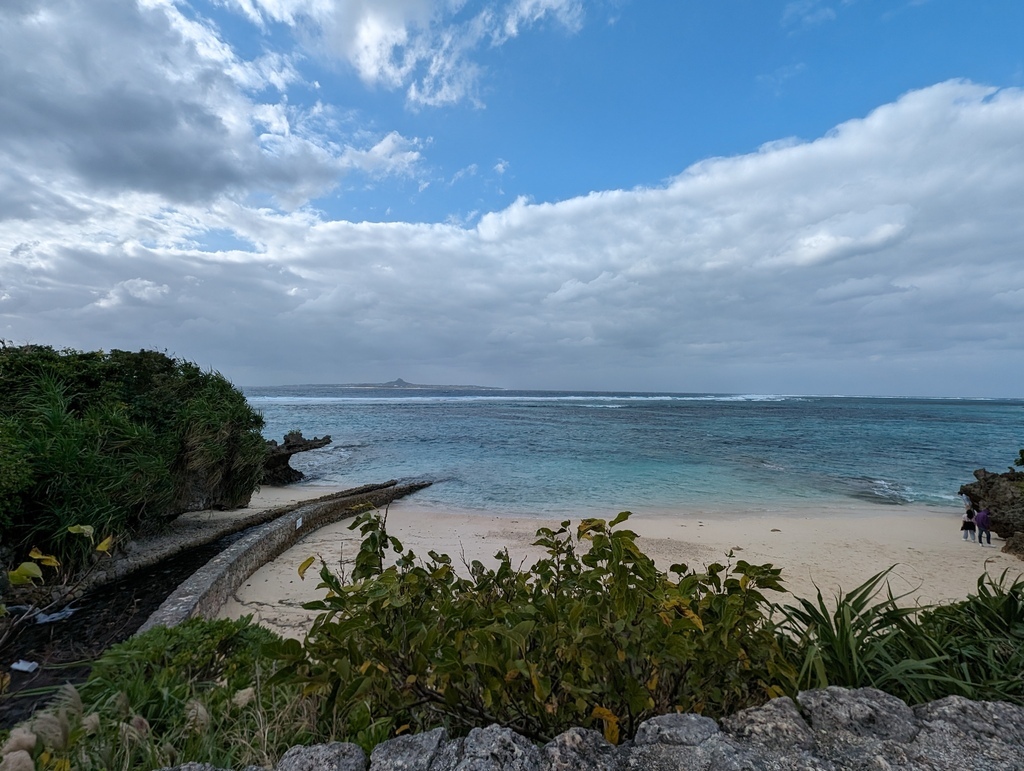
{"points": [[837, 548]]}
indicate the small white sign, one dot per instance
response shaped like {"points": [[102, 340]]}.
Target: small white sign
{"points": [[298, 523]]}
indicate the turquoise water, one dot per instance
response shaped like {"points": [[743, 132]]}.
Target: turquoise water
{"points": [[535, 452]]}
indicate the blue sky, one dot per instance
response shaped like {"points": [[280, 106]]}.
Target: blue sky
{"points": [[630, 93], [817, 196]]}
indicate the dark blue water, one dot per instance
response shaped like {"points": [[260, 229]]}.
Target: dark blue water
{"points": [[564, 453]]}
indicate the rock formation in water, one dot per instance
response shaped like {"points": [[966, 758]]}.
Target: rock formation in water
{"points": [[834, 728], [1003, 496], [276, 468]]}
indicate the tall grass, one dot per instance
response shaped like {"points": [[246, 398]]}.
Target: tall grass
{"points": [[97, 469], [973, 648]]}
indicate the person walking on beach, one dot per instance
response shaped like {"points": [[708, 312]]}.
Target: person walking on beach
{"points": [[982, 522], [967, 524]]}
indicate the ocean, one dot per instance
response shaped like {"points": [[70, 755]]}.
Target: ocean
{"points": [[577, 454]]}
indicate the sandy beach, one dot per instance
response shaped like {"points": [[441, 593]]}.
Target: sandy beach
{"points": [[838, 548]]}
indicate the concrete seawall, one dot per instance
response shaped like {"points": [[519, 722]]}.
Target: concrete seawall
{"points": [[203, 594]]}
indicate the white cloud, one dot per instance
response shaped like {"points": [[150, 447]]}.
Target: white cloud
{"points": [[424, 46], [106, 95], [109, 105], [394, 154], [525, 13], [886, 251], [807, 13], [468, 171], [135, 288]]}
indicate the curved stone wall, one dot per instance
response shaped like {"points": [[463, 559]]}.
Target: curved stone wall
{"points": [[203, 594]]}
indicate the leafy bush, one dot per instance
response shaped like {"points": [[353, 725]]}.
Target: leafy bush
{"points": [[597, 636], [117, 442], [594, 637]]}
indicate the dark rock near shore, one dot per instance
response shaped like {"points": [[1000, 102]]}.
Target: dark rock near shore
{"points": [[839, 729], [204, 489], [1003, 496], [1015, 545], [276, 468]]}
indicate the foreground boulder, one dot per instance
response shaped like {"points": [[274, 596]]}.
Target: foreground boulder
{"points": [[1003, 496], [276, 468], [831, 729]]}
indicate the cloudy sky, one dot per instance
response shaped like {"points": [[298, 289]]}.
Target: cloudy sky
{"points": [[817, 196]]}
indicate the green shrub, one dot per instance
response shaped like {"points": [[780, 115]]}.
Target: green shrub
{"points": [[594, 637], [15, 473], [221, 444], [118, 442]]}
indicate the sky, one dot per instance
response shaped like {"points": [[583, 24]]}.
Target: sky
{"points": [[739, 196]]}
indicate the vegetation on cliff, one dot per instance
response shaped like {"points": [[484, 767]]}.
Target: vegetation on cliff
{"points": [[111, 443]]}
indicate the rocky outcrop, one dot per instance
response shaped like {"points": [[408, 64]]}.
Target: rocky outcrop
{"points": [[832, 730], [1003, 496], [276, 468], [1015, 545]]}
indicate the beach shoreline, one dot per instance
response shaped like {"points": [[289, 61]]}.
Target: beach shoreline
{"points": [[836, 548]]}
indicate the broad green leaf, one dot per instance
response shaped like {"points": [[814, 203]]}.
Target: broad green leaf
{"points": [[622, 517], [24, 574]]}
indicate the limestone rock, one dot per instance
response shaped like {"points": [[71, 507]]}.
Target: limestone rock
{"points": [[862, 712], [776, 725], [845, 729], [1015, 545], [336, 756], [1003, 496], [684, 729], [579, 748], [959, 733], [488, 749], [276, 468], [676, 741], [408, 753]]}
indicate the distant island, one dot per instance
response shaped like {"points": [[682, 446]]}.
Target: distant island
{"points": [[399, 383]]}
